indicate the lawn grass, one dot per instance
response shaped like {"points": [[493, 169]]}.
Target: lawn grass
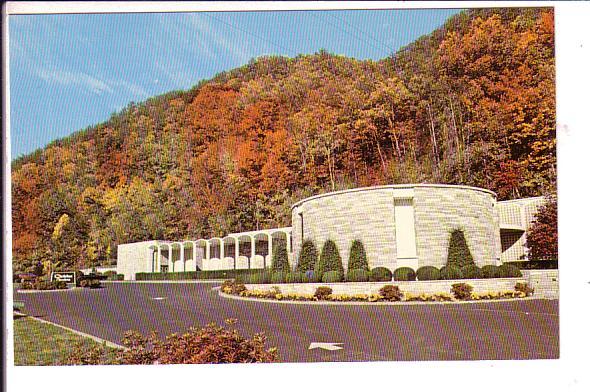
{"points": [[37, 343]]}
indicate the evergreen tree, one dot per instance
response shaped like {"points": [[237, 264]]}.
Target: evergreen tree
{"points": [[280, 258], [308, 257], [459, 254], [330, 259], [358, 257]]}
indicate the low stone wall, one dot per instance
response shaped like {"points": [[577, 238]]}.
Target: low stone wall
{"points": [[417, 287], [545, 282]]}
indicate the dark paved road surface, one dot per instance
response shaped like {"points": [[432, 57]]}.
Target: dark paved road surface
{"points": [[500, 330]]}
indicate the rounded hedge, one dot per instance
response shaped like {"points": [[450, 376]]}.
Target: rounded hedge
{"points": [[471, 272], [449, 272], [428, 272], [278, 277], [294, 277], [332, 277], [380, 274], [404, 274], [509, 271], [490, 271], [357, 275], [311, 277]]}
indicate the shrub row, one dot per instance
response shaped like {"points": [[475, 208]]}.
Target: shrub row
{"points": [[378, 274], [194, 275], [43, 285], [470, 271]]}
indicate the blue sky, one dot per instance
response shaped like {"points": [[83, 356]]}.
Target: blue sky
{"points": [[68, 72]]}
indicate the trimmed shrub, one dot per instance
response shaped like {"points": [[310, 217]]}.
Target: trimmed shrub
{"points": [[523, 287], [459, 254], [509, 271], [428, 272], [358, 257], [190, 275], [391, 293], [322, 292], [461, 291], [380, 274], [471, 272], [311, 277], [262, 277], [490, 271], [357, 275], [278, 277], [308, 257], [450, 272], [404, 274], [280, 258], [330, 259], [294, 277], [332, 277], [116, 277]]}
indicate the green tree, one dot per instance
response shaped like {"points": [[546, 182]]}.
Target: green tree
{"points": [[280, 258], [459, 254], [358, 257], [308, 257], [330, 259]]}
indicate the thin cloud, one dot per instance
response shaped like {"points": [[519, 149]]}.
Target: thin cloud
{"points": [[80, 79]]}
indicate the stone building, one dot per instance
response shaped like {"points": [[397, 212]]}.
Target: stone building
{"points": [[399, 225]]}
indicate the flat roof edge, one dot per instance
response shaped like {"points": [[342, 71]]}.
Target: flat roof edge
{"points": [[393, 186]]}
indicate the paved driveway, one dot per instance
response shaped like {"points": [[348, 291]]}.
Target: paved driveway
{"points": [[500, 330]]}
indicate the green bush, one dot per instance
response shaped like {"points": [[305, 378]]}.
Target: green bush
{"points": [[380, 274], [490, 271], [330, 259], [462, 291], [294, 277], [357, 275], [195, 275], [332, 277], [391, 293], [450, 272], [278, 277], [471, 272], [261, 277], [404, 274], [308, 257], [509, 271], [311, 277], [358, 257], [322, 292], [280, 258], [458, 254], [428, 272]]}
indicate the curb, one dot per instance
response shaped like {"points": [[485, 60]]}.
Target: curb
{"points": [[46, 291], [365, 303], [162, 281], [85, 335]]}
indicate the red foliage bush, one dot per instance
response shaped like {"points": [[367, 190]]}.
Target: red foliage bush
{"points": [[541, 238]]}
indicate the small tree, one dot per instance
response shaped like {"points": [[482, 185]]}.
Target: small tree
{"points": [[541, 238], [308, 257], [280, 258], [330, 259], [358, 257], [459, 254]]}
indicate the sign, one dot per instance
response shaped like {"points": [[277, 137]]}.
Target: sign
{"points": [[325, 346], [68, 277]]}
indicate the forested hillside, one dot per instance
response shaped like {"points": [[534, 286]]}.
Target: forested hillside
{"points": [[473, 103]]}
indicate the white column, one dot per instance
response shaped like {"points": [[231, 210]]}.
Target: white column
{"points": [[207, 250], [170, 258], [195, 253], [252, 251], [182, 256], [221, 250], [288, 238], [236, 251], [269, 248], [159, 259]]}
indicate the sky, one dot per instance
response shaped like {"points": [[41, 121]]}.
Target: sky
{"points": [[68, 72]]}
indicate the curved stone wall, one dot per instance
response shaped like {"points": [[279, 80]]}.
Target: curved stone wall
{"points": [[401, 225]]}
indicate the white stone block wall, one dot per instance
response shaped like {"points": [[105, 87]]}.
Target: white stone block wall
{"points": [[133, 258], [480, 286], [439, 211], [368, 214]]}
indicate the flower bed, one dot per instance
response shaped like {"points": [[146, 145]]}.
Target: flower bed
{"points": [[387, 293]]}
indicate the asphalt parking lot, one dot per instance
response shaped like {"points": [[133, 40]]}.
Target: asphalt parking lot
{"points": [[476, 331]]}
